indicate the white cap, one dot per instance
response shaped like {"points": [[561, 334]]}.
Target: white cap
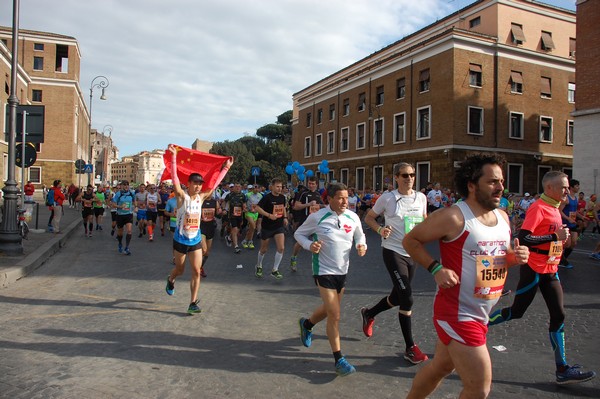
{"points": [[250, 186], [527, 194], [231, 185]]}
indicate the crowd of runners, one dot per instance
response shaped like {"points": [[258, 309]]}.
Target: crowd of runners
{"points": [[475, 227]]}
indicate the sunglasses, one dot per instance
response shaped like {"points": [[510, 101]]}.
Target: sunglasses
{"points": [[407, 175]]}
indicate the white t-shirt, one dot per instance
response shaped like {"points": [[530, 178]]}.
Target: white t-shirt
{"points": [[402, 213]]}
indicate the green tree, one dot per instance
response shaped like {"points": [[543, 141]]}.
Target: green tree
{"points": [[243, 159]]}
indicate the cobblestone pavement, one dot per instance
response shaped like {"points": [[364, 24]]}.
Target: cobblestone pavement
{"points": [[91, 323]]}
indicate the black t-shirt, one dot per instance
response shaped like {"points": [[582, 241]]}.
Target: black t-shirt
{"points": [[306, 197], [275, 205], [209, 211], [236, 204], [87, 199]]}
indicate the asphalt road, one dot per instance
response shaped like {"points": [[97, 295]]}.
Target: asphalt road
{"points": [[91, 323]]}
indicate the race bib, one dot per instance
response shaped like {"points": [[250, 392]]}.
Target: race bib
{"points": [[191, 222], [491, 275], [237, 211], [87, 203], [555, 253], [151, 204], [411, 221], [278, 210], [126, 206], [208, 214]]}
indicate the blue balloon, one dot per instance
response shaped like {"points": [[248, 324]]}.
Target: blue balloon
{"points": [[301, 177], [295, 165], [320, 168], [325, 170], [325, 162], [310, 173], [301, 169], [289, 169]]}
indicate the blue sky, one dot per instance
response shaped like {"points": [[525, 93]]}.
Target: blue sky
{"points": [[180, 70]]}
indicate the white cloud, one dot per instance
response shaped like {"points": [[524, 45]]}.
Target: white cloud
{"points": [[186, 69]]}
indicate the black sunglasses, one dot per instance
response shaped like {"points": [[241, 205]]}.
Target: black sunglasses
{"points": [[407, 175]]}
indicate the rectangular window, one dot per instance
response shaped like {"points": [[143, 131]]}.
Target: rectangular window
{"points": [[346, 106], [344, 176], [378, 132], [515, 129], [518, 37], [545, 129], [475, 75], [423, 175], [330, 142], [424, 123], [475, 121], [379, 96], [400, 88], [516, 82], [331, 112], [360, 179], [38, 47], [62, 58], [36, 95], [331, 176], [424, 81], [344, 139], [570, 128], [514, 178], [319, 116], [545, 87], [360, 136], [318, 144], [400, 128], [547, 42], [35, 174], [571, 93], [307, 147], [308, 119], [378, 177], [38, 63], [572, 45], [474, 22], [542, 170], [362, 102]]}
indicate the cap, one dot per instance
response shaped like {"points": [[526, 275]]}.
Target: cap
{"points": [[527, 194], [231, 184], [250, 186]]}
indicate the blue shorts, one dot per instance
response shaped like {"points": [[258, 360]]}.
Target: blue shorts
{"points": [[141, 214]]}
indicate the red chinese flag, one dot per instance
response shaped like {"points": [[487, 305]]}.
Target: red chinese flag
{"points": [[191, 161]]}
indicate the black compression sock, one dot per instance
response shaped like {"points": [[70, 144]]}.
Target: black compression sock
{"points": [[406, 326]]}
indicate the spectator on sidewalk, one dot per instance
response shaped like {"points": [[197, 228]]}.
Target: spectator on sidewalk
{"points": [[28, 191], [57, 210]]}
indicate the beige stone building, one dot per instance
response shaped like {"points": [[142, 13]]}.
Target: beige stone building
{"points": [[126, 169], [48, 75], [497, 75]]}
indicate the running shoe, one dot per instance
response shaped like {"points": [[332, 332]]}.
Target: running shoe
{"points": [[367, 323], [573, 375], [151, 237], [170, 288], [202, 272], [140, 235], [120, 248], [343, 368], [228, 240], [414, 355], [305, 333], [595, 256], [565, 266], [294, 263], [112, 232], [237, 249], [194, 308], [258, 272], [99, 227], [127, 251], [275, 274], [245, 244], [250, 245]]}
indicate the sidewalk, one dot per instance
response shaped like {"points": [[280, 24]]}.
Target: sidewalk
{"points": [[40, 246]]}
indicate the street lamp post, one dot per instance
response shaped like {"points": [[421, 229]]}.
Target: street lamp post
{"points": [[101, 84], [105, 142], [10, 240]]}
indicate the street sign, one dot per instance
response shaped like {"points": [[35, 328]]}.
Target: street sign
{"points": [[88, 168], [26, 154], [79, 166], [35, 123], [255, 171]]}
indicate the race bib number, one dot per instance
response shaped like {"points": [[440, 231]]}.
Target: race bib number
{"points": [[208, 215], [126, 206], [352, 206], [278, 210], [314, 208], [151, 204], [87, 203], [573, 216], [491, 275], [142, 205], [237, 211], [555, 253], [411, 221], [191, 222]]}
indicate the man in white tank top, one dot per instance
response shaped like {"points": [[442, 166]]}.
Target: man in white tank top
{"points": [[475, 244]]}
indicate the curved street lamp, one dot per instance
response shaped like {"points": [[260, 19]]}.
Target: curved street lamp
{"points": [[101, 84]]}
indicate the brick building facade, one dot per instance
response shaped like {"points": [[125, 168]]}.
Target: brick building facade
{"points": [[498, 75], [49, 75]]}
